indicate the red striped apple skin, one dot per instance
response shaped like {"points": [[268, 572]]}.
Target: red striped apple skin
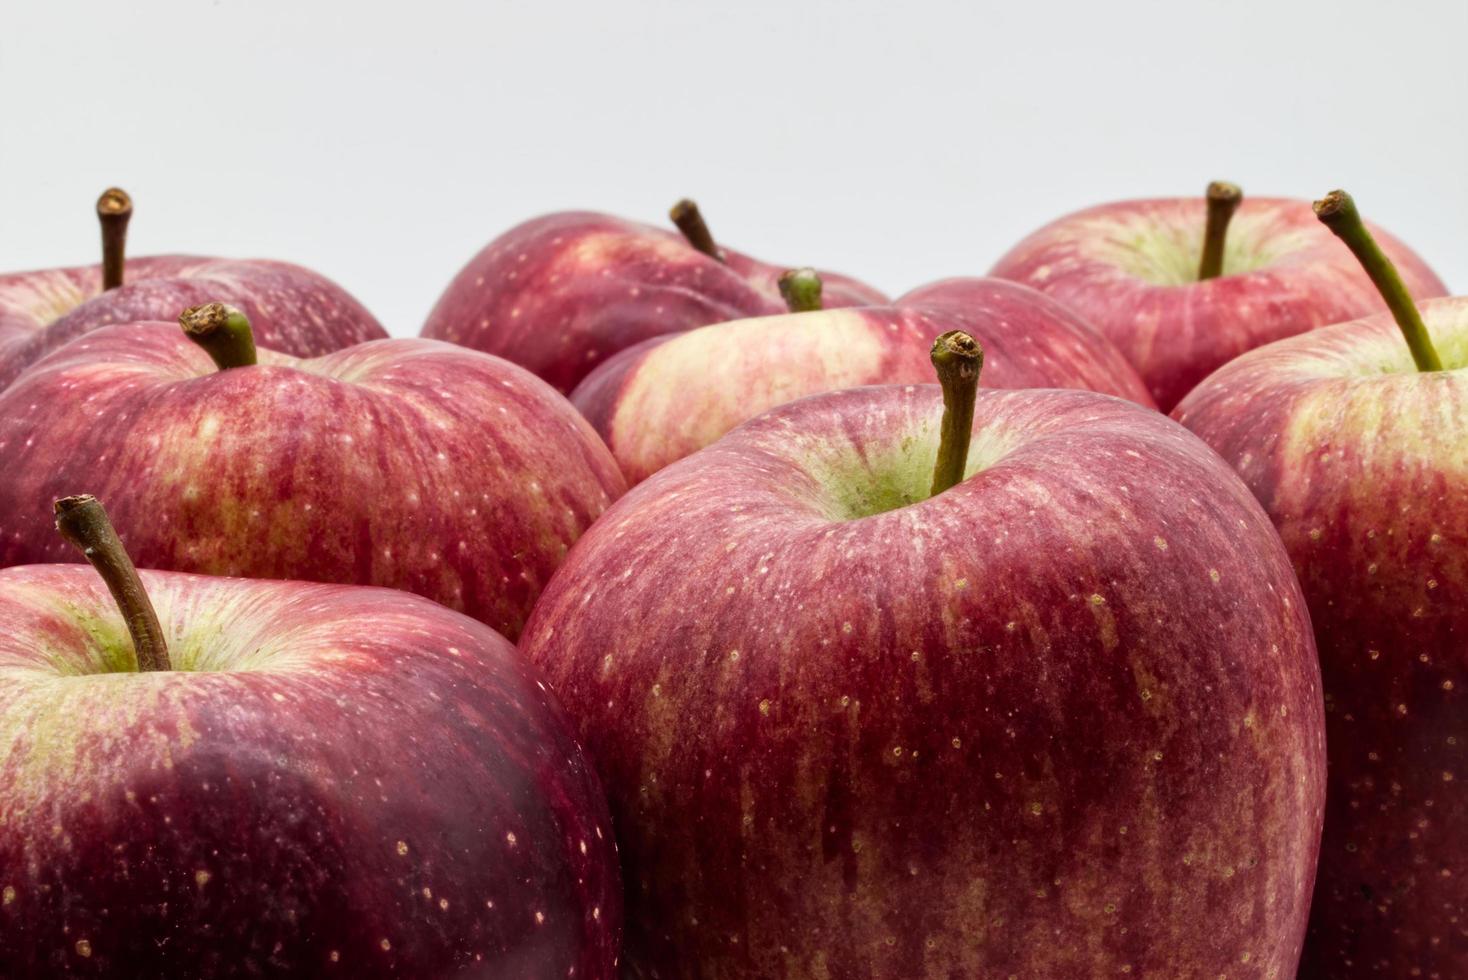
{"points": [[334, 781], [292, 309], [561, 293], [412, 464], [1361, 463], [1063, 720], [670, 396], [1131, 269]]}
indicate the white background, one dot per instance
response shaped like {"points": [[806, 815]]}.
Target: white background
{"points": [[384, 143]]}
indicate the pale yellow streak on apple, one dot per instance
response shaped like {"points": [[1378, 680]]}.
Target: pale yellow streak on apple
{"points": [[52, 719], [47, 295], [597, 250], [43, 731], [833, 348], [1166, 253], [1422, 418]]}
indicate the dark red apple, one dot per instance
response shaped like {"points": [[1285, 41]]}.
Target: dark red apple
{"points": [[1136, 270], [283, 779], [413, 464], [561, 293], [1356, 449], [670, 396], [293, 310], [1062, 719]]}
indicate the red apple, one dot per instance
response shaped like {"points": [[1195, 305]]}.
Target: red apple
{"points": [[670, 396], [561, 293], [283, 779], [1060, 720], [1357, 455], [292, 309], [1134, 270], [407, 463]]}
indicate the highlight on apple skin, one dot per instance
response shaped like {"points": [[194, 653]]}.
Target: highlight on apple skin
{"points": [[1132, 269], [293, 309], [328, 779], [1360, 461], [406, 463], [669, 396], [1061, 720], [561, 293]]}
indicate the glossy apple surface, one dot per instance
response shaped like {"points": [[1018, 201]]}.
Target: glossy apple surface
{"points": [[1131, 268], [292, 309], [1362, 463], [406, 463], [1062, 720], [332, 780], [659, 401], [561, 293]]}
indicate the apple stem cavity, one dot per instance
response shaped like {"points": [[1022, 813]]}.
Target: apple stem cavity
{"points": [[83, 521], [114, 211], [689, 219], [957, 358], [801, 289], [224, 333], [1223, 200], [1337, 211]]}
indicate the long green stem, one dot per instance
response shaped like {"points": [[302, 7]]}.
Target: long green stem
{"points": [[1337, 211], [1223, 200], [801, 289], [114, 211], [689, 219], [83, 521], [224, 333], [957, 358]]}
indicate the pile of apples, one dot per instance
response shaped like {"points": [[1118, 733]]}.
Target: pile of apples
{"points": [[664, 613]]}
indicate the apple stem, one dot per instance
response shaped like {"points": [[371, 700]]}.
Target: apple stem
{"points": [[689, 219], [1223, 200], [1337, 211], [114, 211], [801, 289], [957, 358], [83, 521], [224, 333]]}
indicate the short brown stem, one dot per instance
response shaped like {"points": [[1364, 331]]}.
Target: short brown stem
{"points": [[689, 219], [1337, 211], [1223, 200], [801, 289], [114, 211], [958, 359], [82, 521], [224, 333]]}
